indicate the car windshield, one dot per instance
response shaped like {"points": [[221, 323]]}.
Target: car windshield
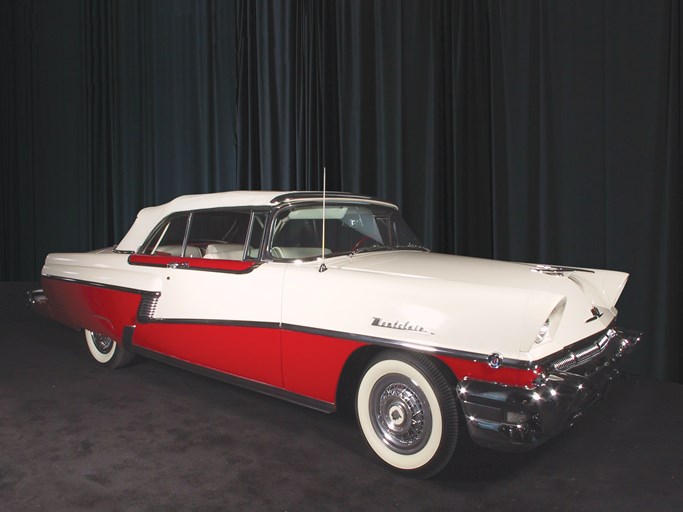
{"points": [[349, 229]]}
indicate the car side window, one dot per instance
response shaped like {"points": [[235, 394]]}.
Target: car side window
{"points": [[168, 238], [219, 235], [258, 225]]}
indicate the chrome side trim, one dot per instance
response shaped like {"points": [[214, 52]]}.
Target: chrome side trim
{"points": [[294, 196], [98, 285], [392, 343], [216, 322], [344, 336]]}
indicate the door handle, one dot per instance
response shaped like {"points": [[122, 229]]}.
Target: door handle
{"points": [[178, 265]]}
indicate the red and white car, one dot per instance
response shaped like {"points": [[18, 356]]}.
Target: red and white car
{"points": [[312, 299]]}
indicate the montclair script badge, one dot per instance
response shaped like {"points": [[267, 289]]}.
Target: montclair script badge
{"points": [[400, 326]]}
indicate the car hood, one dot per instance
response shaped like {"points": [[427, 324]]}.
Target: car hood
{"points": [[601, 287], [505, 300]]}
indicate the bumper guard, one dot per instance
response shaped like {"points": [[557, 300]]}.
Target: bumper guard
{"points": [[517, 419]]}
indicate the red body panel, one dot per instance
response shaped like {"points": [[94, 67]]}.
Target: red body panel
{"points": [[480, 370], [312, 364], [249, 352], [84, 306]]}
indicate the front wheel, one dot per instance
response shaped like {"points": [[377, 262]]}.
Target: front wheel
{"points": [[106, 351], [407, 412]]}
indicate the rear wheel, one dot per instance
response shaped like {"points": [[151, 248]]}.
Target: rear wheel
{"points": [[407, 412], [106, 351]]}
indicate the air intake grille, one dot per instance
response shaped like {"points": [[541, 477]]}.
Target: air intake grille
{"points": [[584, 354], [148, 306]]}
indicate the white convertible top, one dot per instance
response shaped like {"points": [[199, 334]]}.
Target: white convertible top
{"points": [[149, 217]]}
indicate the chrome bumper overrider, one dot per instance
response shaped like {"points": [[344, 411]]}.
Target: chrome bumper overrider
{"points": [[516, 418]]}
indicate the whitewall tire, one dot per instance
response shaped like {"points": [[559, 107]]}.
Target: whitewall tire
{"points": [[106, 351], [408, 413]]}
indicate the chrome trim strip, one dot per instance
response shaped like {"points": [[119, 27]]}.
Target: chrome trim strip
{"points": [[216, 322], [294, 196], [391, 343], [346, 336], [188, 226], [98, 285]]}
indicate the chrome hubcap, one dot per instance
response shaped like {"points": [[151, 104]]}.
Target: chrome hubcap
{"points": [[102, 343], [401, 414]]}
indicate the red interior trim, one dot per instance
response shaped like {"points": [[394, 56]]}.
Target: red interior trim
{"points": [[235, 266]]}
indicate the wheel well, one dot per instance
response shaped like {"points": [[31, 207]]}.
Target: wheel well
{"points": [[356, 364]]}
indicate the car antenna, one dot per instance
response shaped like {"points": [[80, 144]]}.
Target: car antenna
{"points": [[323, 267]]}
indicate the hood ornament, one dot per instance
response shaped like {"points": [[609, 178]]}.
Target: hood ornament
{"points": [[596, 314]]}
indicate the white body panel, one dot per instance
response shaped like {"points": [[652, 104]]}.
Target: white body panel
{"points": [[102, 268], [198, 295]]}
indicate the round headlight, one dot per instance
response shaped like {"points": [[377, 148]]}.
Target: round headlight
{"points": [[543, 331]]}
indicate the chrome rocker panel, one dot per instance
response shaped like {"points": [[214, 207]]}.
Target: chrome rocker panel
{"points": [[517, 419]]}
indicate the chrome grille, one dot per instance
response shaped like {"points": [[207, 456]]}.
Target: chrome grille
{"points": [[584, 354]]}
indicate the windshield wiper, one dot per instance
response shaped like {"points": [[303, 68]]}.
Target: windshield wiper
{"points": [[413, 247], [370, 248], [382, 247]]}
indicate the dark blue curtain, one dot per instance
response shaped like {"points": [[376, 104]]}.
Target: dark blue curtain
{"points": [[111, 105], [533, 131]]}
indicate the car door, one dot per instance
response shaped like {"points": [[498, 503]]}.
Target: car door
{"points": [[219, 305]]}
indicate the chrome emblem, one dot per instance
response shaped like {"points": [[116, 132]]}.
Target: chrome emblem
{"points": [[494, 360], [596, 314], [400, 325]]}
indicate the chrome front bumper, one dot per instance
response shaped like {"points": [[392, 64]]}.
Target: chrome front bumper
{"points": [[516, 419]]}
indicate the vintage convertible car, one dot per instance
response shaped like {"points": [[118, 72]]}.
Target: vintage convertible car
{"points": [[317, 297]]}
